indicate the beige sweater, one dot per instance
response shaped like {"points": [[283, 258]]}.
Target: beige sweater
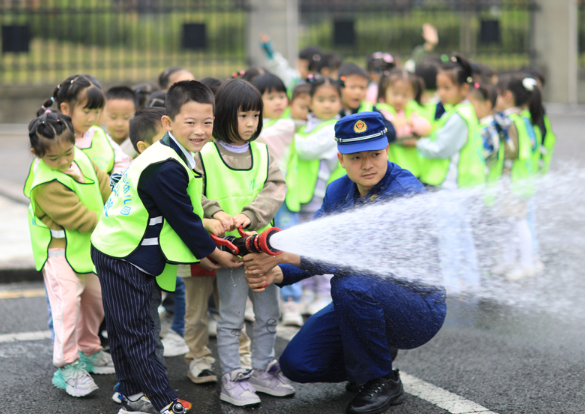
{"points": [[263, 208], [60, 208]]}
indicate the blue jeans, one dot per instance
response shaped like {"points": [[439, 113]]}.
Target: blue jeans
{"points": [[351, 338], [285, 219]]}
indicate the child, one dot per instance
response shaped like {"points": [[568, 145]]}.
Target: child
{"points": [[172, 75], [400, 93], [145, 129], [67, 193], [143, 91], [243, 187], [151, 222], [120, 107], [377, 63], [81, 98], [354, 84], [277, 132], [517, 93], [212, 83], [329, 65], [455, 160], [313, 165], [298, 108], [427, 71]]}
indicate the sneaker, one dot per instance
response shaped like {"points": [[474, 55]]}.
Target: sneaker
{"points": [[307, 298], [212, 324], [291, 313], [236, 388], [246, 361], [377, 395], [74, 379], [201, 371], [249, 312], [140, 405], [319, 303], [174, 344], [117, 396], [176, 407], [272, 381], [98, 363]]}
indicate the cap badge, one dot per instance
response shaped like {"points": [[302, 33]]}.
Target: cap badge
{"points": [[360, 126]]}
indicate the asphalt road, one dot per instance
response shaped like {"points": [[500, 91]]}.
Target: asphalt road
{"points": [[487, 357]]}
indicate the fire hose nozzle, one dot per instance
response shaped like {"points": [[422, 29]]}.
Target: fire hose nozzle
{"points": [[255, 243]]}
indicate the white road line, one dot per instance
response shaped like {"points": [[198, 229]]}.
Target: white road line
{"points": [[25, 336], [444, 399]]}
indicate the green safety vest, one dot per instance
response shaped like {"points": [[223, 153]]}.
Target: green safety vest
{"points": [[124, 220], [471, 168], [547, 147], [534, 144], [234, 189], [101, 151], [426, 111], [269, 123], [78, 247], [287, 113], [302, 175], [366, 107], [523, 168], [407, 158]]}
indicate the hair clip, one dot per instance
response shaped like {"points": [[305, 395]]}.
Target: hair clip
{"points": [[341, 81], [469, 79], [310, 78], [316, 57], [388, 58], [476, 85], [529, 84], [453, 59], [47, 111]]}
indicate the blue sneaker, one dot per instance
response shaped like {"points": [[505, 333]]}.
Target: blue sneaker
{"points": [[117, 397], [74, 380], [98, 363]]}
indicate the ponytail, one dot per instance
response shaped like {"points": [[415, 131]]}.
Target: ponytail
{"points": [[526, 92], [47, 129], [535, 107], [463, 72]]}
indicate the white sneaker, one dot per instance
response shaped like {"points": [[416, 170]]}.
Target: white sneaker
{"points": [[212, 324], [201, 370], [272, 381], [166, 321], [291, 313], [174, 344], [319, 303], [74, 379], [237, 390], [98, 363], [249, 312], [306, 300]]}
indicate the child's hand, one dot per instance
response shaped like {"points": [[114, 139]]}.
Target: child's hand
{"points": [[225, 259], [409, 143], [208, 264], [264, 38], [430, 36], [214, 226], [225, 219], [241, 220]]}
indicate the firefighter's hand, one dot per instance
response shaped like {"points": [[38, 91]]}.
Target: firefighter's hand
{"points": [[258, 283], [225, 219], [259, 263], [214, 226]]}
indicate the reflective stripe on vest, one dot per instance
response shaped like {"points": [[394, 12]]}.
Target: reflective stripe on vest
{"points": [[77, 250], [234, 189], [302, 175], [124, 219], [471, 164], [100, 151]]}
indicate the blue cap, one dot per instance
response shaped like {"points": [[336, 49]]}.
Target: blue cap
{"points": [[364, 131]]}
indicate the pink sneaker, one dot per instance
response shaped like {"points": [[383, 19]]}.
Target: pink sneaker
{"points": [[272, 381]]}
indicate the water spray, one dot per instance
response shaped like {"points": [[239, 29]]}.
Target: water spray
{"points": [[246, 244]]}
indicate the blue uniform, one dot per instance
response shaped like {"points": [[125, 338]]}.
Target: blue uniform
{"points": [[351, 338]]}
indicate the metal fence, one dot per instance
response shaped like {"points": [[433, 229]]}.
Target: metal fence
{"points": [[44, 41], [495, 32]]}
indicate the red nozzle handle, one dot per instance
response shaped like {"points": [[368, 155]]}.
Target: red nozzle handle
{"points": [[223, 242], [263, 241], [242, 232]]}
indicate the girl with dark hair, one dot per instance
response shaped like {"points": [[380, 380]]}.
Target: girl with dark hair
{"points": [[67, 195], [399, 96], [454, 159], [243, 189], [81, 98], [520, 104], [172, 75]]}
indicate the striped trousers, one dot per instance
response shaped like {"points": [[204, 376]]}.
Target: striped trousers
{"points": [[126, 296]]}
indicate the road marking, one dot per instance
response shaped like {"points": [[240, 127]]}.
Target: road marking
{"points": [[27, 293], [25, 336], [444, 399]]}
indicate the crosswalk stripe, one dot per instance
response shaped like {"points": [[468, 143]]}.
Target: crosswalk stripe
{"points": [[25, 293], [25, 336]]}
